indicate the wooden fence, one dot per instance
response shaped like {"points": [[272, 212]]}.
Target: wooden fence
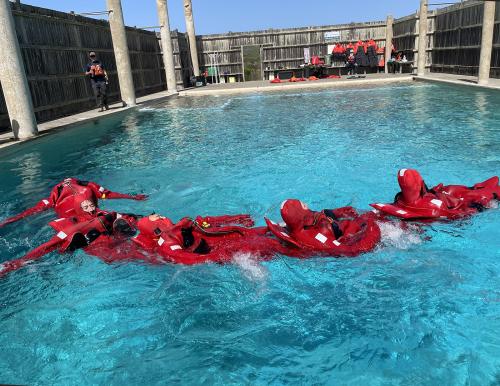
{"points": [[55, 47], [457, 39], [281, 48]]}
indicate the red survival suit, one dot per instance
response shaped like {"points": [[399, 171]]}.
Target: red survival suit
{"points": [[205, 239], [416, 201], [94, 231], [62, 196], [338, 232]]}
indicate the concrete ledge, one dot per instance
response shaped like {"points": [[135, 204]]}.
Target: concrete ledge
{"points": [[458, 80], [265, 86]]}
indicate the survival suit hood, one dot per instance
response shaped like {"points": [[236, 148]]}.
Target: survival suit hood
{"points": [[81, 214], [296, 215], [412, 185]]}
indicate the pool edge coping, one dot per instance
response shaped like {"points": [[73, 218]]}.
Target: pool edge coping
{"points": [[294, 86], [52, 127]]}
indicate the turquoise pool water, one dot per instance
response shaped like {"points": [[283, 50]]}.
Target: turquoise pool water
{"points": [[422, 309]]}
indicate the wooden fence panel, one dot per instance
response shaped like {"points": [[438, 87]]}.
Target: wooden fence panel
{"points": [[55, 47]]}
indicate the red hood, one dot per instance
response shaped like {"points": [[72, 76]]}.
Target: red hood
{"points": [[296, 215], [412, 185], [78, 199]]}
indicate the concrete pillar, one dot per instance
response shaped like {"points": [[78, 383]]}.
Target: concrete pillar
{"points": [[422, 38], [388, 41], [188, 14], [486, 42], [13, 78], [120, 47], [166, 45]]}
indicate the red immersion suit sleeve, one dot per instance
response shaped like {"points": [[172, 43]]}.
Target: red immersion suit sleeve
{"points": [[103, 193], [43, 205], [33, 255]]}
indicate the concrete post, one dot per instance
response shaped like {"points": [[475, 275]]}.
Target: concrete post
{"points": [[13, 78], [166, 45], [422, 38], [486, 42], [120, 47], [188, 14], [388, 41]]}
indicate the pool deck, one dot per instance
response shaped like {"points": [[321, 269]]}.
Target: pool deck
{"points": [[7, 140], [265, 85], [461, 80]]}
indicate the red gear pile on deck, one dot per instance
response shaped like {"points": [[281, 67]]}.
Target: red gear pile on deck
{"points": [[416, 201]]}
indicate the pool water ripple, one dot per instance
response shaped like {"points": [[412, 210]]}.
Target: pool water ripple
{"points": [[423, 308]]}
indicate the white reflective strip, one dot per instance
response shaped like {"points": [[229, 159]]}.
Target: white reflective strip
{"points": [[321, 238], [272, 222], [160, 241], [438, 203], [175, 247], [402, 172], [375, 211], [101, 189], [283, 204], [282, 224], [380, 205], [336, 243], [45, 202], [401, 211], [118, 215], [285, 234], [62, 235], [59, 219]]}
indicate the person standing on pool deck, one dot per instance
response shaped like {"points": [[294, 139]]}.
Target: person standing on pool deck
{"points": [[99, 80]]}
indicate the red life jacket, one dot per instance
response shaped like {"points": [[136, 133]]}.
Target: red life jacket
{"points": [[97, 70]]}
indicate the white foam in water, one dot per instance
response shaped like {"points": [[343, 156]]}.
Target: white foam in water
{"points": [[149, 109], [493, 204], [394, 235], [226, 104], [250, 266]]}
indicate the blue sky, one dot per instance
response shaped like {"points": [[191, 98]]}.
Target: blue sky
{"points": [[217, 16]]}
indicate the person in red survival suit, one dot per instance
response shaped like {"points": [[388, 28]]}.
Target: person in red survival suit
{"points": [[205, 239], [62, 198], [336, 232], [416, 200], [89, 225]]}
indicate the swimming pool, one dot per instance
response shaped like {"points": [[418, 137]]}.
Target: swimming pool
{"points": [[421, 309]]}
